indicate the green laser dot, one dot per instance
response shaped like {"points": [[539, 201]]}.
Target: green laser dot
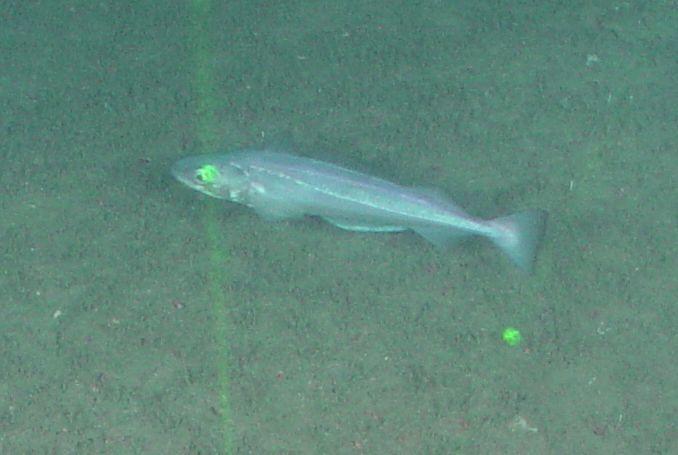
{"points": [[207, 173], [511, 336]]}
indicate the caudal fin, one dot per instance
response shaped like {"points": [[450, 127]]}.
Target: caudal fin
{"points": [[519, 235]]}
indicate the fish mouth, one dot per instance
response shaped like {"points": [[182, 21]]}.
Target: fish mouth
{"points": [[180, 169], [184, 171]]}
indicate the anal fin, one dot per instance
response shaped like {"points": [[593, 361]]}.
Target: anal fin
{"points": [[344, 224], [442, 237]]}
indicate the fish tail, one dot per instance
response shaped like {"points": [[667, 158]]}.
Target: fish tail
{"points": [[519, 235]]}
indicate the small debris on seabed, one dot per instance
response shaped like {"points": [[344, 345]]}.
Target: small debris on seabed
{"points": [[519, 423]]}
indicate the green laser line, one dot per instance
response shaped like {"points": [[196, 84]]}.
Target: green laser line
{"points": [[204, 91]]}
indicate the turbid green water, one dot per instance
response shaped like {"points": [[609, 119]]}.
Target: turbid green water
{"points": [[138, 317]]}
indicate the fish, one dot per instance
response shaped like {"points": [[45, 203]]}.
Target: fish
{"points": [[283, 186]]}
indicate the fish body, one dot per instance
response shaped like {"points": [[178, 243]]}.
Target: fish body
{"points": [[282, 186]]}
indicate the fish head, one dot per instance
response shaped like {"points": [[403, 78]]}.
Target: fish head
{"points": [[214, 175]]}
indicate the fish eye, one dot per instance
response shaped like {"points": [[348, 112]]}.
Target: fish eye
{"points": [[207, 174]]}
